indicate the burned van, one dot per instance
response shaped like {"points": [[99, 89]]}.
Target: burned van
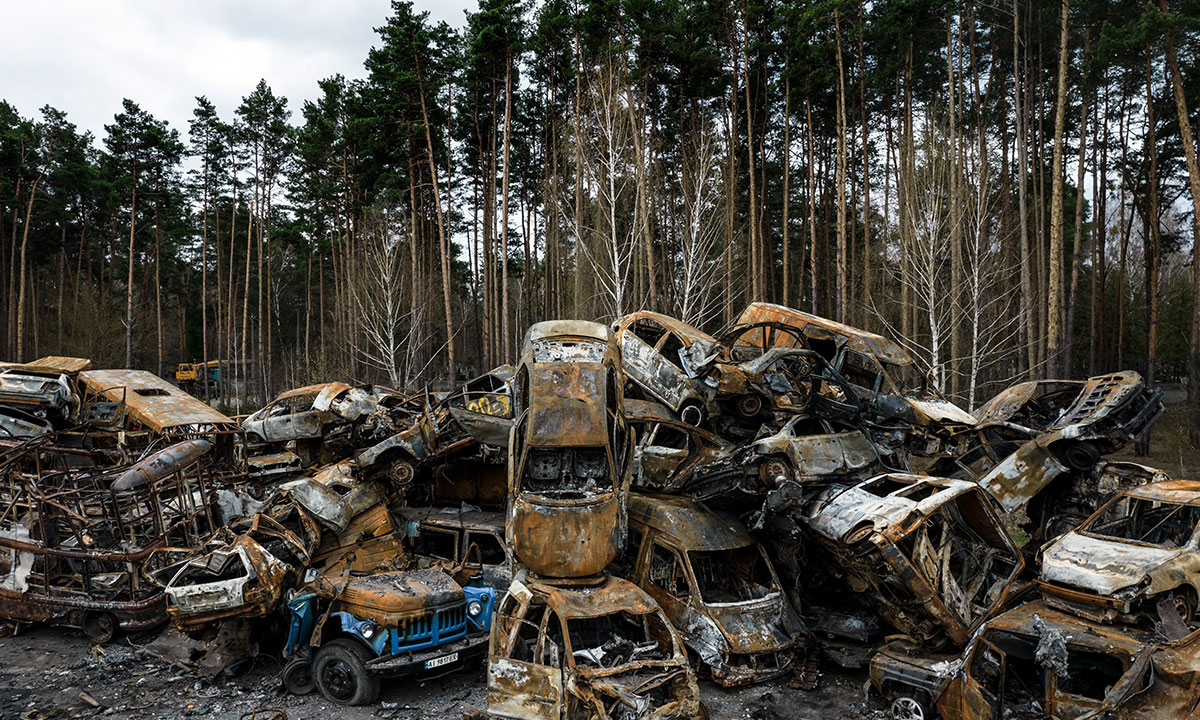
{"points": [[717, 586]]}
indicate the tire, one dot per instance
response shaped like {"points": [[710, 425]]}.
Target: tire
{"points": [[341, 675], [298, 677], [100, 627], [1078, 455], [749, 405]]}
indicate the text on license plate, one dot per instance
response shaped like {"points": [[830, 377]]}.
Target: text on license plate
{"points": [[443, 660]]}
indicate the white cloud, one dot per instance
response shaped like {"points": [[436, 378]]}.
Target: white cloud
{"points": [[84, 56]]}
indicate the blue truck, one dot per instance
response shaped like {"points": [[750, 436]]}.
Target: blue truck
{"points": [[344, 637]]}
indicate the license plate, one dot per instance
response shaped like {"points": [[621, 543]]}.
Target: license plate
{"points": [[443, 660]]}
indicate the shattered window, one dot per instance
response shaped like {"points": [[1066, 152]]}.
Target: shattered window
{"points": [[648, 331], [907, 379], [432, 542], [667, 572], [568, 351], [1090, 674], [491, 550], [1006, 669], [1153, 522], [671, 345], [622, 637], [524, 647], [566, 473], [669, 437], [860, 370], [731, 576]]}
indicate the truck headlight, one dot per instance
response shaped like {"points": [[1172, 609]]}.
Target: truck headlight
{"points": [[368, 630], [474, 608]]}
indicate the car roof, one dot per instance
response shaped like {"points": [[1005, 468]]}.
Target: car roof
{"points": [[156, 403], [675, 325], [1184, 492], [610, 595], [566, 328], [686, 523], [866, 342], [489, 520]]}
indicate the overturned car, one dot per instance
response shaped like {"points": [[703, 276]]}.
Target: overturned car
{"points": [[931, 551]]}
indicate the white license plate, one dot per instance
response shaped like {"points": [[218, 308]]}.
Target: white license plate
{"points": [[443, 660]]}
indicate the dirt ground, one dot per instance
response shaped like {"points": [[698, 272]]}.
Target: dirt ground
{"points": [[50, 673]]}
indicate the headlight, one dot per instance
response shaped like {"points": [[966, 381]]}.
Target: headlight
{"points": [[474, 608], [368, 630]]}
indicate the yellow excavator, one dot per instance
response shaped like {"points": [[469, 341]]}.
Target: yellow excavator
{"points": [[193, 377]]}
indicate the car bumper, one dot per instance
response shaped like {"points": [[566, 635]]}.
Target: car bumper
{"points": [[469, 648]]}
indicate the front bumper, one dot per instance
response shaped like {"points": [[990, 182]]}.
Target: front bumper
{"points": [[469, 648], [750, 669], [1084, 604]]}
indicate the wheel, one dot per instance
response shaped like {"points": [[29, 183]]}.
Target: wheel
{"points": [[1181, 603], [1079, 456], [341, 673], [99, 627], [401, 472], [692, 414], [774, 471], [907, 707], [298, 677], [749, 405]]}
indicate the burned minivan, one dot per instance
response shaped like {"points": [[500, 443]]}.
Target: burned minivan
{"points": [[1136, 559], [717, 586], [603, 651], [931, 551], [1036, 662], [568, 467]]}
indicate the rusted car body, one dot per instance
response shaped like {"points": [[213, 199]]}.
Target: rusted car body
{"points": [[668, 451], [665, 358], [151, 410], [876, 367], [293, 415], [602, 651], [483, 407], [35, 400], [1034, 662], [71, 541], [1070, 425], [568, 467], [931, 551], [716, 585], [808, 451], [1136, 559], [463, 537]]}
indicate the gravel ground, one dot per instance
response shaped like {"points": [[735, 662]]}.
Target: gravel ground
{"points": [[51, 672]]}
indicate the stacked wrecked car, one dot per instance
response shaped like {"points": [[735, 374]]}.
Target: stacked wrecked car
{"points": [[628, 511]]}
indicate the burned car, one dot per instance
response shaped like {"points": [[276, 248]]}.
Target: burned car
{"points": [[931, 551], [669, 451], [568, 467], [1137, 558], [1067, 427], [806, 450], [717, 586], [602, 651], [1037, 662], [345, 636], [38, 397]]}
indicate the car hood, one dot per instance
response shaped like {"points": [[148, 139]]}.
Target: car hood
{"points": [[756, 627], [940, 411], [1100, 566]]}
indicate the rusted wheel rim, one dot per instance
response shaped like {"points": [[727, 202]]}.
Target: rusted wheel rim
{"points": [[906, 708], [99, 627], [1181, 605]]}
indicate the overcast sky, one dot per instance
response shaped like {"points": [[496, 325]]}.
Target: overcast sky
{"points": [[84, 56]]}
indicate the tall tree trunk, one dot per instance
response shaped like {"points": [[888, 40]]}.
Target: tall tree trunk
{"points": [[1193, 165], [840, 279], [787, 176], [19, 339], [1054, 324], [1027, 296], [129, 279], [504, 212], [451, 368]]}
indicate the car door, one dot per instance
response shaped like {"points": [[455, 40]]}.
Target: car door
{"points": [[661, 453], [484, 409], [646, 366], [816, 450], [524, 682]]}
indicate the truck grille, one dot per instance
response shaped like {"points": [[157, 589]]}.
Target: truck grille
{"points": [[436, 625]]}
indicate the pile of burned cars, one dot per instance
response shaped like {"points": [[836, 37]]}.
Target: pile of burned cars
{"points": [[630, 512]]}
